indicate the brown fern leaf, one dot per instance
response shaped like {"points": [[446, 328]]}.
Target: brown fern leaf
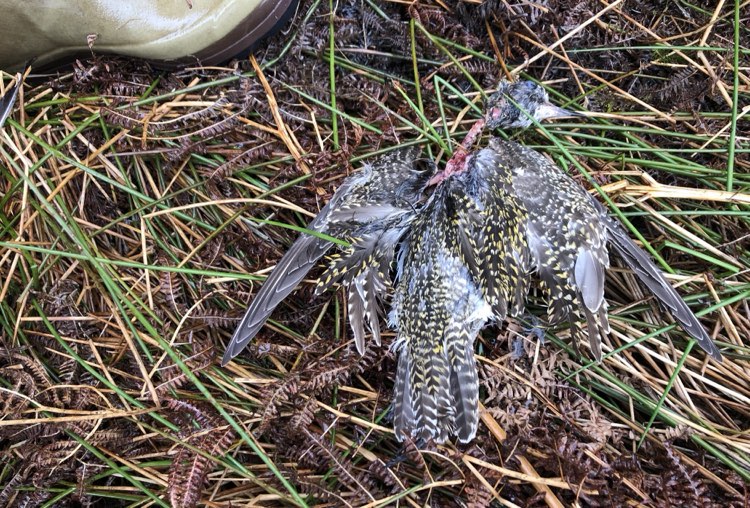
{"points": [[185, 149], [126, 120], [356, 479], [185, 412], [203, 355], [273, 397], [11, 485], [170, 286], [215, 319], [189, 469], [259, 152]]}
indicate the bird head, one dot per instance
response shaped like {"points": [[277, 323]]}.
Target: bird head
{"points": [[514, 104]]}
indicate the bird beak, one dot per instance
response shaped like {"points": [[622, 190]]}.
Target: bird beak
{"points": [[549, 110]]}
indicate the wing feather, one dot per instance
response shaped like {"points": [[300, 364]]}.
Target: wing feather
{"points": [[653, 278], [403, 413], [289, 272], [589, 277], [357, 305]]}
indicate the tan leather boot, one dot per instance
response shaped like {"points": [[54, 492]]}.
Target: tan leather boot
{"points": [[168, 32]]}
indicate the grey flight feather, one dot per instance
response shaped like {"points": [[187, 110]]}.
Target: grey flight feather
{"points": [[290, 271], [363, 307], [357, 304], [589, 276], [653, 278]]}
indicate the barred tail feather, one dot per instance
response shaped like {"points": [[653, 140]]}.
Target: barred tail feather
{"points": [[423, 406], [403, 410], [363, 306], [464, 382], [576, 332], [603, 319], [433, 403]]}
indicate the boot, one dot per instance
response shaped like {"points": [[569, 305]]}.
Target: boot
{"points": [[169, 33]]}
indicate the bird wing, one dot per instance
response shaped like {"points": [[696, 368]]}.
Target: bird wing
{"points": [[372, 195], [508, 244], [364, 269], [289, 272], [505, 252], [370, 247], [653, 278], [294, 265], [564, 240]]}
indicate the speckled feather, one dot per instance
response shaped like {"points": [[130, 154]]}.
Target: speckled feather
{"points": [[568, 233], [467, 261], [566, 242], [381, 192], [438, 312], [365, 270], [503, 254]]}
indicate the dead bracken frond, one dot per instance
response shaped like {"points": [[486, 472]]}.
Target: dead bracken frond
{"points": [[191, 464], [141, 209]]}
